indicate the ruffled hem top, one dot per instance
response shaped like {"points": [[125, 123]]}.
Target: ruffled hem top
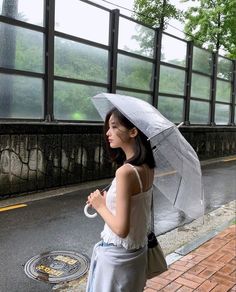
{"points": [[139, 219]]}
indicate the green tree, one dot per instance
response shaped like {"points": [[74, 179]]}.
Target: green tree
{"points": [[213, 23], [155, 13]]}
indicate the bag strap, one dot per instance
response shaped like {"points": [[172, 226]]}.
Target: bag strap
{"points": [[152, 215]]}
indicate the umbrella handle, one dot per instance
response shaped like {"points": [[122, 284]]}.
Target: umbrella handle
{"points": [[86, 212]]}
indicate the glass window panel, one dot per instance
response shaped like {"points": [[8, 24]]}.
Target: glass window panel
{"points": [[24, 10], [224, 68], [223, 91], [202, 60], [171, 108], [201, 86], [173, 51], [73, 101], [135, 38], [76, 18], [172, 80], [145, 97], [222, 114], [21, 48], [21, 97], [76, 60], [199, 112], [134, 73]]}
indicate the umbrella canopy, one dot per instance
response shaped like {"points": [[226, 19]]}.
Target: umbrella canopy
{"points": [[178, 173]]}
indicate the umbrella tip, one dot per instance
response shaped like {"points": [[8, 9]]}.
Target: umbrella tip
{"points": [[179, 125]]}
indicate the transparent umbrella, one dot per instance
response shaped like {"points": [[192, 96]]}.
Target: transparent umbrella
{"points": [[178, 172]]}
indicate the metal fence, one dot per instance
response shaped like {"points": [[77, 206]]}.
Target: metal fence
{"points": [[56, 54], [53, 61]]}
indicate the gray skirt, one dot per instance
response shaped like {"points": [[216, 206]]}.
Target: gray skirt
{"points": [[115, 269]]}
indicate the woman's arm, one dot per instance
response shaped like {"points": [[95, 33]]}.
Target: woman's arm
{"points": [[120, 222]]}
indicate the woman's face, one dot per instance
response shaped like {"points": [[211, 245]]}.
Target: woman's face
{"points": [[117, 134]]}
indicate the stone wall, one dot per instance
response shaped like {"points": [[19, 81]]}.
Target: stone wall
{"points": [[211, 142], [43, 156]]}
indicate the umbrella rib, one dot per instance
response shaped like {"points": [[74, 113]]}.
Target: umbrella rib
{"points": [[177, 191], [171, 127]]}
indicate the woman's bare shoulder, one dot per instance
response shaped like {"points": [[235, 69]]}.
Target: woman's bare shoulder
{"points": [[124, 171], [126, 177]]}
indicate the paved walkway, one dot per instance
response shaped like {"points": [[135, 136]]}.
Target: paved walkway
{"points": [[210, 267]]}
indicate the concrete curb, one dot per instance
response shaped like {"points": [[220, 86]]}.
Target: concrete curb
{"points": [[184, 250]]}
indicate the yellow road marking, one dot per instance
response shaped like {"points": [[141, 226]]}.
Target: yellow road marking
{"points": [[12, 207], [229, 159]]}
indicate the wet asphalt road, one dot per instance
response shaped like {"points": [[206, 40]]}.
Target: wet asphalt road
{"points": [[59, 223]]}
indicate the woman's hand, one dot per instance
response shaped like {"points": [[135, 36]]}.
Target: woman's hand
{"points": [[97, 200]]}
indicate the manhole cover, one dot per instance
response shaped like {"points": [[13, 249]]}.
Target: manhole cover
{"points": [[57, 266]]}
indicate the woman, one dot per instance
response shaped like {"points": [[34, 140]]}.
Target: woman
{"points": [[119, 261]]}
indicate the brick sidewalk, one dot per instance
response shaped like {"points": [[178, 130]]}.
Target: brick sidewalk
{"points": [[210, 267]]}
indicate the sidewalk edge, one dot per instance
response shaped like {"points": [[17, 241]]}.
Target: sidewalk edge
{"points": [[190, 246]]}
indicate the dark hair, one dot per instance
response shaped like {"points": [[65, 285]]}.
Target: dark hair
{"points": [[143, 152]]}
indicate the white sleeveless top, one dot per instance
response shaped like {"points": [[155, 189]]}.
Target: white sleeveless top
{"points": [[140, 218]]}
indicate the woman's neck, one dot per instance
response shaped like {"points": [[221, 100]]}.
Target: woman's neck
{"points": [[129, 152]]}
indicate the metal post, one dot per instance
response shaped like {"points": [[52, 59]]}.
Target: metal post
{"points": [[188, 83], [157, 66], [49, 59], [233, 122], [113, 44], [213, 88]]}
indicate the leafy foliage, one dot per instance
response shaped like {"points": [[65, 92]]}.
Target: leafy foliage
{"points": [[213, 23], [155, 12]]}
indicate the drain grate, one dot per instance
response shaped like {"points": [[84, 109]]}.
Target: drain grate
{"points": [[57, 266]]}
